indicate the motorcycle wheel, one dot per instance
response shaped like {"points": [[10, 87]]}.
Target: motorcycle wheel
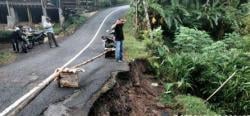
{"points": [[24, 49], [40, 42], [30, 46]]}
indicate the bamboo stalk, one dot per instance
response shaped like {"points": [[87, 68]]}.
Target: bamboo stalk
{"points": [[92, 59], [221, 86], [24, 100]]}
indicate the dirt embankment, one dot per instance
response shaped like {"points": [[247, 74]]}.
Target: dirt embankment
{"points": [[135, 94]]}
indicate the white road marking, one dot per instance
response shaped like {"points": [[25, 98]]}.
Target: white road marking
{"points": [[28, 96], [99, 29]]}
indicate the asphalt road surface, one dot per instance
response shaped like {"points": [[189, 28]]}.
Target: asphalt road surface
{"points": [[18, 78]]}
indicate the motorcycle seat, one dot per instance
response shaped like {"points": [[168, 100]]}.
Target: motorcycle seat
{"points": [[37, 32]]}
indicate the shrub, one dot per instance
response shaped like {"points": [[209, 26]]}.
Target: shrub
{"points": [[199, 65], [5, 36], [193, 106], [6, 57], [189, 40]]}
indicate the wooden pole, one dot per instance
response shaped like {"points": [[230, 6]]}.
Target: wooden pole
{"points": [[92, 59], [18, 105], [220, 87]]}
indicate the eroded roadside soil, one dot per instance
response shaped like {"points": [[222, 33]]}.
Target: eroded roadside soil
{"points": [[132, 95]]}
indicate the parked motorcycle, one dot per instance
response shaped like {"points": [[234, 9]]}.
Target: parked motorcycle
{"points": [[109, 43], [25, 44], [36, 37]]}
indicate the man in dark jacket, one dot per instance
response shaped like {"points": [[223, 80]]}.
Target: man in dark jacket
{"points": [[14, 40], [16, 37], [119, 37]]}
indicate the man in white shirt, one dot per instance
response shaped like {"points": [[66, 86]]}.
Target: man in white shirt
{"points": [[48, 28]]}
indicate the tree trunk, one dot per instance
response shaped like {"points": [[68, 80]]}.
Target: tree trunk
{"points": [[29, 16], [147, 15], [44, 8], [110, 3], [221, 31], [136, 14]]}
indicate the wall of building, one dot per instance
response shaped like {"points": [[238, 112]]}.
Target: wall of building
{"points": [[53, 14], [21, 13], [3, 15], [36, 14]]}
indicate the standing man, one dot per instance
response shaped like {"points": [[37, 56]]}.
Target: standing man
{"points": [[14, 39], [119, 37], [48, 28]]}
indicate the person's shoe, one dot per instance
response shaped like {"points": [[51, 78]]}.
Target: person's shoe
{"points": [[119, 61]]}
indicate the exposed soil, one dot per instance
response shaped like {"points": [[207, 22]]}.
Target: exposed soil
{"points": [[133, 95]]}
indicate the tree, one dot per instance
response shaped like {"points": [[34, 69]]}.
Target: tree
{"points": [[209, 15]]}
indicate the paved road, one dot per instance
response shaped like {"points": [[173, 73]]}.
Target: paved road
{"points": [[18, 78]]}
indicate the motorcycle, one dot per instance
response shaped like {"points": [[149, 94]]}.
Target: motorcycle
{"points": [[36, 37], [109, 43], [25, 44]]}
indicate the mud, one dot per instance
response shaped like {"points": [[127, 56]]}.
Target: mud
{"points": [[134, 94]]}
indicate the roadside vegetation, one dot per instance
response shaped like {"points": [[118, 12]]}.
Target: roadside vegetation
{"points": [[134, 48], [108, 3], [193, 47], [6, 57], [72, 22], [4, 36]]}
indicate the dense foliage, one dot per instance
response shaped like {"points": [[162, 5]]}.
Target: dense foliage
{"points": [[198, 65], [206, 48], [5, 36], [217, 17], [192, 105]]}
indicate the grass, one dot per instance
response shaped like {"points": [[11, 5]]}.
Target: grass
{"points": [[6, 57], [191, 105], [134, 48], [70, 25], [57, 28], [247, 40], [4, 36]]}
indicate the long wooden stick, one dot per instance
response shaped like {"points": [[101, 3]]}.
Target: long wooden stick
{"points": [[92, 59], [220, 86], [22, 102]]}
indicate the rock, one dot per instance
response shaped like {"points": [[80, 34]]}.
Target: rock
{"points": [[160, 105], [154, 84], [69, 80]]}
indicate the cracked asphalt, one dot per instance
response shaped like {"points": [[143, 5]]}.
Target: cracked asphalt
{"points": [[18, 78]]}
